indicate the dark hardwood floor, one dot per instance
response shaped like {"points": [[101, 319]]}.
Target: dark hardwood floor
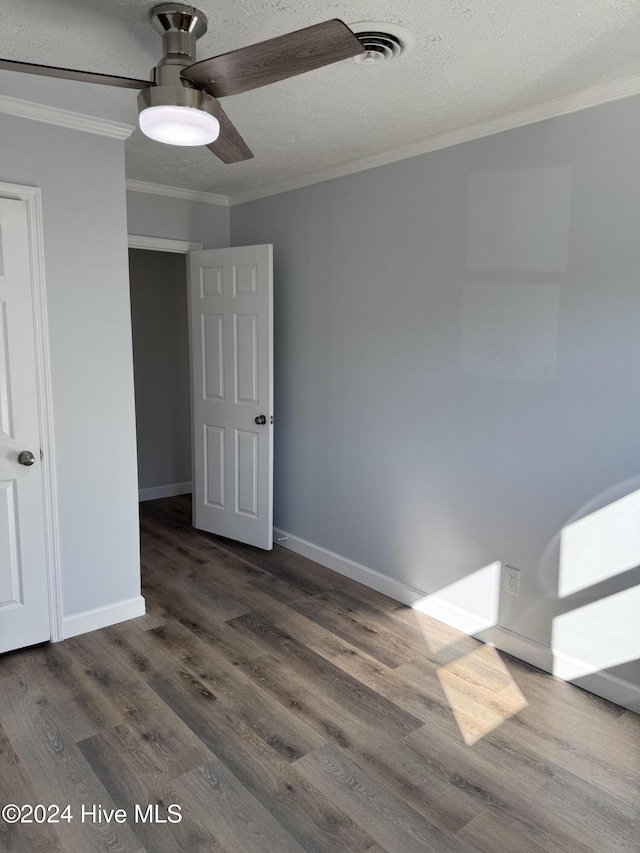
{"points": [[286, 708]]}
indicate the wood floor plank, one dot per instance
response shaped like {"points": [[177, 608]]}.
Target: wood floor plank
{"points": [[396, 767], [330, 581], [587, 815], [417, 689], [566, 815], [367, 743], [489, 772], [341, 653], [394, 824], [278, 589], [57, 771], [491, 833], [132, 778], [306, 814], [572, 752], [499, 790], [175, 598], [444, 643], [261, 600], [119, 689], [591, 725], [218, 604], [236, 817], [237, 697], [352, 694], [16, 788], [361, 625], [65, 696], [365, 740]]}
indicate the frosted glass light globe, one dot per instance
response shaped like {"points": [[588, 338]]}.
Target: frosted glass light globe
{"points": [[179, 125]]}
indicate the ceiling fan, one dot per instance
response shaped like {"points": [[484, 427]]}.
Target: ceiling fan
{"points": [[180, 104]]}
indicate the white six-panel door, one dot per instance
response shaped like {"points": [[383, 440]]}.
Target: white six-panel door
{"points": [[231, 299], [24, 601]]}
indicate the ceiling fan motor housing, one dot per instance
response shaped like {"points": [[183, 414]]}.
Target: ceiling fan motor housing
{"points": [[180, 27]]}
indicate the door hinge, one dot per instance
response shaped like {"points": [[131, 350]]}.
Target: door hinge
{"points": [[271, 419]]}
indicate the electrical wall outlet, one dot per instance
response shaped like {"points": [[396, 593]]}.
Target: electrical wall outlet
{"points": [[511, 580]]}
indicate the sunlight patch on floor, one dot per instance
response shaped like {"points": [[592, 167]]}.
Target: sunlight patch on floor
{"points": [[438, 636], [481, 691], [459, 610]]}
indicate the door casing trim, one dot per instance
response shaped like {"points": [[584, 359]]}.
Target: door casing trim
{"points": [[162, 244], [32, 198]]}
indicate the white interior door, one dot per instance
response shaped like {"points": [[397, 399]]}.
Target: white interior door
{"points": [[24, 599], [231, 322]]}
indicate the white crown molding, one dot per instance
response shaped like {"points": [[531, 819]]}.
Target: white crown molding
{"points": [[177, 192], [64, 118], [162, 244], [593, 97]]}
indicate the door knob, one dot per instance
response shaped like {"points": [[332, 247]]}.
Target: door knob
{"points": [[261, 420], [26, 458]]}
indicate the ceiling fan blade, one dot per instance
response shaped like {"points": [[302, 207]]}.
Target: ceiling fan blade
{"points": [[275, 59], [230, 147], [72, 74]]}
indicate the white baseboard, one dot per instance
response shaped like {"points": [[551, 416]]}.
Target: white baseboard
{"points": [[519, 647], [102, 617], [169, 491], [610, 687], [607, 686], [356, 571]]}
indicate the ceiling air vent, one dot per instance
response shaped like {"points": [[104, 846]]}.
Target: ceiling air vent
{"points": [[382, 42]]}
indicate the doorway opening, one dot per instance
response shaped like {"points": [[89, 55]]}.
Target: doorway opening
{"points": [[160, 336]]}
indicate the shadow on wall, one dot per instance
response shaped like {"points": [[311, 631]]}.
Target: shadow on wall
{"points": [[595, 628]]}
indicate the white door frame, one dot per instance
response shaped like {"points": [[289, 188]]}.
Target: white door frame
{"points": [[32, 197], [160, 244]]}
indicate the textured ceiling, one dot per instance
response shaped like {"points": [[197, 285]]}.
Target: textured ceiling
{"points": [[473, 60]]}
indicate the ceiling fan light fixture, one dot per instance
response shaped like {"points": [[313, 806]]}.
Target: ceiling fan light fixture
{"points": [[179, 125], [179, 115]]}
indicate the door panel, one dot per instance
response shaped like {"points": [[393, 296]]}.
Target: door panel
{"points": [[247, 472], [24, 601], [10, 575], [245, 346], [6, 429], [214, 466], [213, 356], [232, 361]]}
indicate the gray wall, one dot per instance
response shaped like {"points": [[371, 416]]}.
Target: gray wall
{"points": [[161, 367], [87, 284], [178, 219], [458, 361]]}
